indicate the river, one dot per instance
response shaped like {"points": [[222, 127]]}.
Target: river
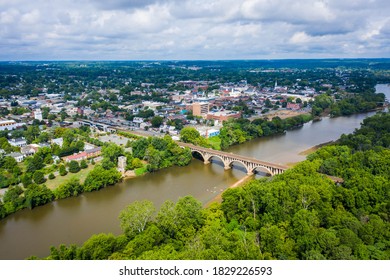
{"points": [[74, 220]]}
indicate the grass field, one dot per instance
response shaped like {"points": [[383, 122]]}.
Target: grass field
{"points": [[140, 171], [81, 175], [215, 142]]}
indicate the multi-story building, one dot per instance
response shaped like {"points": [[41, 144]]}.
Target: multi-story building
{"points": [[200, 109], [38, 115]]}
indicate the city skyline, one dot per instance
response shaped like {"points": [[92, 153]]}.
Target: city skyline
{"points": [[193, 29]]}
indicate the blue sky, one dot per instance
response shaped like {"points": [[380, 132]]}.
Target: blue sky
{"points": [[193, 29]]}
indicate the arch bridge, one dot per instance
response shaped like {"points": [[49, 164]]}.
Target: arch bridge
{"points": [[228, 159]]}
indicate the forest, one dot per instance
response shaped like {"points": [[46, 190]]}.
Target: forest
{"points": [[300, 214]]}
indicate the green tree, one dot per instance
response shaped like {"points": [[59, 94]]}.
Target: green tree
{"points": [[38, 195], [34, 163], [135, 217], [73, 166], [157, 121], [39, 177], [62, 170], [99, 178], [111, 152], [189, 135], [99, 247], [139, 147], [70, 188], [83, 164]]}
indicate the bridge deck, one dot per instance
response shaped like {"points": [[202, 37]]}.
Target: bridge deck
{"points": [[239, 157]]}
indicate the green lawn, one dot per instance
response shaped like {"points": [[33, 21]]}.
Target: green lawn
{"points": [[140, 171], [215, 142], [58, 180]]}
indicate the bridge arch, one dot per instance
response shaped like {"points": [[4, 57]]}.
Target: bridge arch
{"points": [[223, 160], [264, 168], [231, 162], [193, 152]]}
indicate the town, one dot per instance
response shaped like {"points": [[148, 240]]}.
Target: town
{"points": [[42, 102]]}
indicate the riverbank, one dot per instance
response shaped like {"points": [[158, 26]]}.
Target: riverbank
{"points": [[314, 148], [240, 182], [284, 114]]}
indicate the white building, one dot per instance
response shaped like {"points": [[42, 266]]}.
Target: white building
{"points": [[58, 141], [38, 115], [17, 156], [8, 124], [19, 142]]}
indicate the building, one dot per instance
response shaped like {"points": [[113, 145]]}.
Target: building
{"points": [[223, 115], [17, 156], [293, 106], [200, 108], [84, 155], [212, 132], [137, 121], [38, 115], [18, 142], [58, 141], [206, 131], [76, 157], [122, 162], [94, 152], [8, 124], [29, 149]]}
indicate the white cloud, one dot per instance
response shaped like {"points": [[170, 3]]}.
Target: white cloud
{"points": [[193, 29]]}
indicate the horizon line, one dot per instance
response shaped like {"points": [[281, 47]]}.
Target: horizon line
{"points": [[173, 60]]}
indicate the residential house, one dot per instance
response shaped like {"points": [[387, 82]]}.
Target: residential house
{"points": [[94, 152], [293, 106], [76, 157], [17, 156], [58, 141], [18, 142], [29, 149], [84, 155]]}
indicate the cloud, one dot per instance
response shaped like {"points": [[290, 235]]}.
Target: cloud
{"points": [[193, 29]]}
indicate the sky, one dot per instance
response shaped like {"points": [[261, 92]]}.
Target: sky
{"points": [[193, 29]]}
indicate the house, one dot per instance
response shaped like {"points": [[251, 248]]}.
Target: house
{"points": [[8, 124], [84, 155], [76, 157], [29, 149], [94, 152], [18, 142], [58, 141], [17, 156], [293, 106], [137, 121]]}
